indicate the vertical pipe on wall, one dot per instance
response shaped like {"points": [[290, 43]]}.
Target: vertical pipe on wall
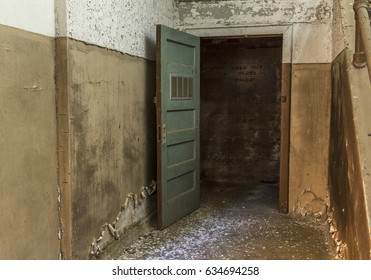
{"points": [[363, 35]]}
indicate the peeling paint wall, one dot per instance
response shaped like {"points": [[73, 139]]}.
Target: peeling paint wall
{"points": [[28, 162], [127, 26], [106, 107], [311, 21], [106, 119], [258, 12], [309, 138], [338, 36], [350, 143], [307, 32], [346, 179]]}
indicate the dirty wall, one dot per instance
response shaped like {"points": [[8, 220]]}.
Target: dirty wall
{"points": [[345, 180], [28, 142], [349, 180], [106, 121], [77, 124], [305, 24], [240, 109]]}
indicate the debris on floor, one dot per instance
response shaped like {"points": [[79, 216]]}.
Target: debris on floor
{"points": [[237, 221]]}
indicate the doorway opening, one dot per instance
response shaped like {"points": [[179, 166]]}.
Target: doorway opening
{"points": [[240, 123]]}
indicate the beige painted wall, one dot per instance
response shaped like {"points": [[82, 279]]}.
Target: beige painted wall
{"points": [[28, 162], [309, 138], [346, 182], [106, 107]]}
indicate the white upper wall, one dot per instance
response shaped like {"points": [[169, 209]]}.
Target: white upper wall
{"points": [[127, 26], [32, 15]]}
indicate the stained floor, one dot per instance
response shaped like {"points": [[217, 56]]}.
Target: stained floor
{"points": [[237, 221]]}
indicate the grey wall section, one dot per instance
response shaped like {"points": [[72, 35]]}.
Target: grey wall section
{"points": [[106, 107], [240, 109], [345, 171], [28, 162]]}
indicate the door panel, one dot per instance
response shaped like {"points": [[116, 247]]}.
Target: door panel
{"points": [[178, 106]]}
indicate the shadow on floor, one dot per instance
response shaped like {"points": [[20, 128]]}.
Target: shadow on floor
{"points": [[237, 222]]}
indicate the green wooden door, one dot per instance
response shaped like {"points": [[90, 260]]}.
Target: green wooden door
{"points": [[178, 130]]}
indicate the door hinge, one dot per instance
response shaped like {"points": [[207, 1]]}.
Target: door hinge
{"points": [[283, 99], [161, 133]]}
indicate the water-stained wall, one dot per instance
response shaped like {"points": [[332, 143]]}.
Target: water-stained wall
{"points": [[346, 181], [349, 177], [240, 109], [106, 120], [306, 27], [220, 13], [28, 162], [106, 105]]}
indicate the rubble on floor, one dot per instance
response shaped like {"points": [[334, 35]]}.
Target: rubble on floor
{"points": [[237, 221]]}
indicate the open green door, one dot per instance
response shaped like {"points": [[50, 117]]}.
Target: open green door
{"points": [[178, 130]]}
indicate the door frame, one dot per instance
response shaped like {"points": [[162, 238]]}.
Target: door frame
{"points": [[285, 32]]}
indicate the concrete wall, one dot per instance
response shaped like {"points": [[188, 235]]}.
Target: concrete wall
{"points": [[350, 181], [107, 106], [106, 119], [346, 180], [103, 69], [306, 27], [28, 162], [240, 109]]}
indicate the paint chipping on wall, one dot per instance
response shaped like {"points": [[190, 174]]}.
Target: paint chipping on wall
{"points": [[242, 12], [310, 203], [131, 212]]}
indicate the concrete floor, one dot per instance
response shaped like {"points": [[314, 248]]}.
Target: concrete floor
{"points": [[237, 222]]}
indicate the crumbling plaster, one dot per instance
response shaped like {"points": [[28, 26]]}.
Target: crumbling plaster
{"points": [[306, 27], [310, 22], [127, 26], [240, 12]]}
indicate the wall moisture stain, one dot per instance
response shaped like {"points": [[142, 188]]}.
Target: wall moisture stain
{"points": [[252, 12]]}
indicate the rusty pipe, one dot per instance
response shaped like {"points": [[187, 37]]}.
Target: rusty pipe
{"points": [[362, 55]]}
